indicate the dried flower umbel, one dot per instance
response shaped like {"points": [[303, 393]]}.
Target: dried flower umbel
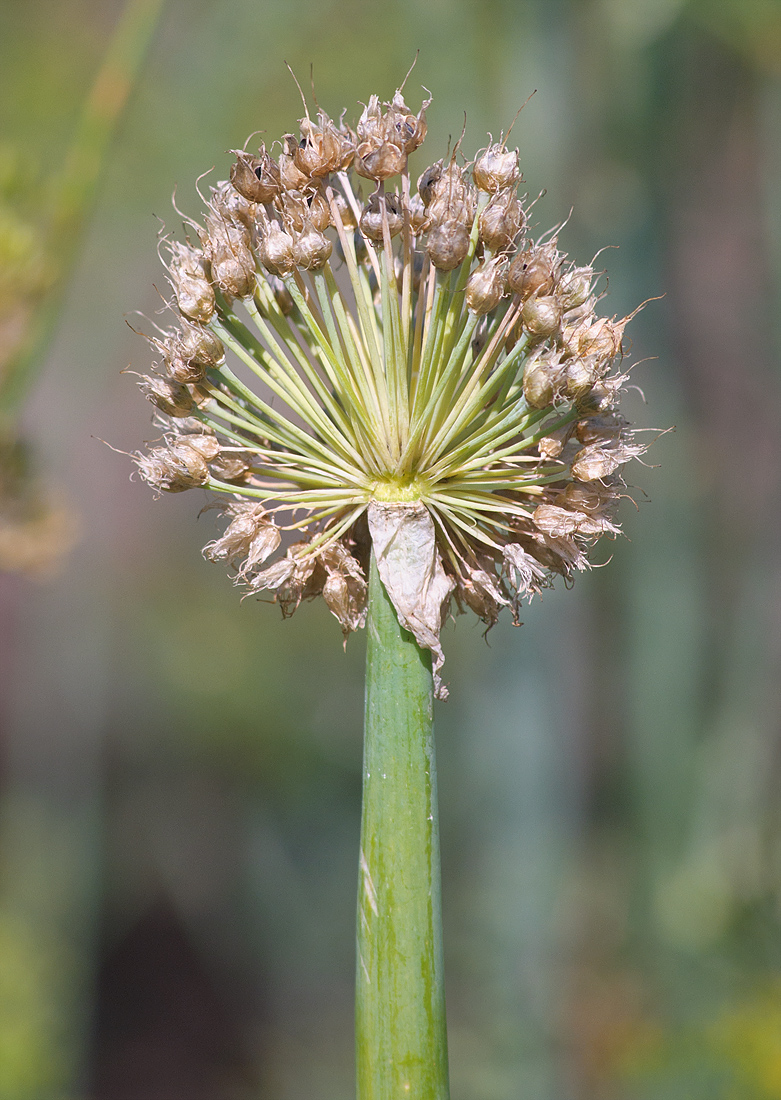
{"points": [[354, 362]]}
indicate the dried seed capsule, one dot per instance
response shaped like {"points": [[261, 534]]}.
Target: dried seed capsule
{"points": [[202, 440], [501, 220], [428, 179], [290, 175], [181, 368], [580, 377], [276, 250], [447, 245], [199, 344], [320, 150], [319, 210], [574, 287], [372, 217], [602, 338], [226, 243], [496, 168], [311, 249], [533, 272], [418, 218], [189, 279], [256, 178], [231, 466], [452, 197], [173, 469], [170, 396], [403, 127], [486, 285], [542, 315], [539, 382], [600, 429]]}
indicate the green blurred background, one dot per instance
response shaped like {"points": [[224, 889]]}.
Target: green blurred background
{"points": [[180, 771]]}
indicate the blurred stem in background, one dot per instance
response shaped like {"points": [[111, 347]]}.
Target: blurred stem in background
{"points": [[36, 531], [401, 1035], [50, 799], [73, 190]]}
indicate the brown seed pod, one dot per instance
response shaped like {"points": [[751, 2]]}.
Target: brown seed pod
{"points": [[501, 220], [170, 396], [256, 178], [496, 169], [486, 286], [311, 249], [542, 315], [276, 249], [190, 281], [371, 222], [447, 245]]}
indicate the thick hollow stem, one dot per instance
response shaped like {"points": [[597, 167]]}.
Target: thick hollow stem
{"points": [[401, 1036]]}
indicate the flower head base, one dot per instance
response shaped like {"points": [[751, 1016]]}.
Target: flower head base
{"points": [[357, 365]]}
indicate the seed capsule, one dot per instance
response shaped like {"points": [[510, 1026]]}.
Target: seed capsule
{"points": [[447, 245], [173, 469], [170, 396], [311, 249], [290, 175], [486, 285], [496, 169], [372, 218], [256, 178], [320, 151], [194, 293], [542, 316], [276, 250], [539, 379], [532, 272], [501, 220]]}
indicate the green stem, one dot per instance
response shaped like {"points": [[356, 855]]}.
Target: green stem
{"points": [[401, 1036]]}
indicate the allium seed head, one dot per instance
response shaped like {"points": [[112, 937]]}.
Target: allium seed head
{"points": [[362, 371]]}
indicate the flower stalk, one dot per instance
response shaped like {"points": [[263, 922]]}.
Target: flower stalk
{"points": [[400, 1030]]}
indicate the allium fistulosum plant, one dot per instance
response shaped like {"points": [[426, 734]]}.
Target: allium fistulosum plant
{"points": [[409, 406]]}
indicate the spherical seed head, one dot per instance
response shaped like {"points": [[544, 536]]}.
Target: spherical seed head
{"points": [[390, 414], [496, 169]]}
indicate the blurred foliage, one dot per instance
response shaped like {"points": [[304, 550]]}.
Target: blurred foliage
{"points": [[608, 773]]}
